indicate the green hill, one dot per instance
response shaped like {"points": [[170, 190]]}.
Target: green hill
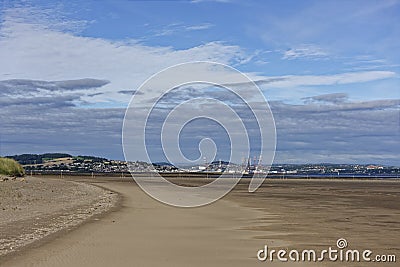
{"points": [[10, 167], [25, 159]]}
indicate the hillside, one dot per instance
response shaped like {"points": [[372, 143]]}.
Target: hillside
{"points": [[25, 159], [31, 159], [10, 167]]}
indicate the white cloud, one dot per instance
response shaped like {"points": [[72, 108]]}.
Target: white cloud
{"points": [[293, 81], [203, 26], [35, 50], [305, 51], [334, 98], [179, 28], [50, 18], [341, 78]]}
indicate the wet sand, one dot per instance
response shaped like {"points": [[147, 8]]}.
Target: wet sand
{"points": [[314, 214], [288, 214]]}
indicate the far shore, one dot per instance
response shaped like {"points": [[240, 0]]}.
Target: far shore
{"points": [[184, 175]]}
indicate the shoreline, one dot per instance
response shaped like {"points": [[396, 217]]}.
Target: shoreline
{"points": [[213, 175]]}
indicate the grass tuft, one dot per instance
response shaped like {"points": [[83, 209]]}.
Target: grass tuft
{"points": [[11, 168]]}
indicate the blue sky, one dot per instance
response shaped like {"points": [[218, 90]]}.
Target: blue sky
{"points": [[68, 69]]}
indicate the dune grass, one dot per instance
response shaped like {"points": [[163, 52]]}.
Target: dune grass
{"points": [[11, 167]]}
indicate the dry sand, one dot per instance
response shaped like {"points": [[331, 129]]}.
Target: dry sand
{"points": [[282, 214], [33, 208]]}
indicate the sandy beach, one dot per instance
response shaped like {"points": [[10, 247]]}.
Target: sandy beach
{"points": [[33, 209], [283, 214]]}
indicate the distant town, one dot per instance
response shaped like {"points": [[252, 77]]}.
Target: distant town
{"points": [[58, 163]]}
